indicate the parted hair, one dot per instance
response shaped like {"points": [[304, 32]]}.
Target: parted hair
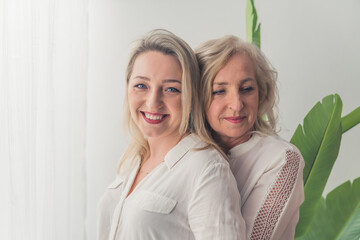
{"points": [[164, 41], [214, 54]]}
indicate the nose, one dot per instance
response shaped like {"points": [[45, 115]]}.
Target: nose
{"points": [[155, 99], [235, 102]]}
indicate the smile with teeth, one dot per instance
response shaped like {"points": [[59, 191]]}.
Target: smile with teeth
{"points": [[154, 118]]}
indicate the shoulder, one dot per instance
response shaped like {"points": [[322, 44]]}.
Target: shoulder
{"points": [[278, 151], [202, 154], [206, 156], [276, 143], [106, 207], [111, 194], [200, 159]]}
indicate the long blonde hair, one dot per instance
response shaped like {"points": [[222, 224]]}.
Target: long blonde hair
{"points": [[214, 54], [167, 43]]}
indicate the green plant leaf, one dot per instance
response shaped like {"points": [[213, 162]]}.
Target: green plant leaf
{"points": [[256, 37], [249, 20], [252, 26], [318, 141], [255, 17], [351, 120], [337, 216]]}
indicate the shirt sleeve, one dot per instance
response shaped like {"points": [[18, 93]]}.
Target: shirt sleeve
{"points": [[214, 210], [282, 187], [105, 208], [104, 215]]}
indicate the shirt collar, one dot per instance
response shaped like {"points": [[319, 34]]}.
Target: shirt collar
{"points": [[180, 149]]}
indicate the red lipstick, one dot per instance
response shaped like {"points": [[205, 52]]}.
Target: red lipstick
{"points": [[154, 118], [234, 119]]}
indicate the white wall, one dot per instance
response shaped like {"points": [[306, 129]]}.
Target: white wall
{"points": [[312, 44]]}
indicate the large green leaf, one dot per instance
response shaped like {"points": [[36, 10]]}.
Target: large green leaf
{"points": [[318, 141], [252, 26], [337, 217]]}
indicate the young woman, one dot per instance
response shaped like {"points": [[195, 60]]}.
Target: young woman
{"points": [[170, 183], [239, 93]]}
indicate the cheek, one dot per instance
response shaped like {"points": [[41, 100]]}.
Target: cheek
{"points": [[177, 105], [212, 112], [254, 107], [133, 101]]}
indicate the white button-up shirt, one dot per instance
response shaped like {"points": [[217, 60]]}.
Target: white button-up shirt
{"points": [[269, 174], [191, 195]]}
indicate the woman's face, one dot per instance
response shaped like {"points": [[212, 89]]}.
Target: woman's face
{"points": [[154, 95], [235, 99]]}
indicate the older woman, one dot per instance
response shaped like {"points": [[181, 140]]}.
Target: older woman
{"points": [[239, 94], [170, 183]]}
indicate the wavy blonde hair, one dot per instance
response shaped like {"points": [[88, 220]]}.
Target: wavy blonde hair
{"points": [[214, 55], [169, 44]]}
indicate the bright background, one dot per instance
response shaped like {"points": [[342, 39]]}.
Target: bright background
{"points": [[62, 89]]}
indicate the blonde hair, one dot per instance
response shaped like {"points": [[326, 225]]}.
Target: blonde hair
{"points": [[214, 55], [167, 43]]}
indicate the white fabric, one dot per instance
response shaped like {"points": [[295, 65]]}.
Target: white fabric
{"points": [[268, 171], [43, 82], [191, 195]]}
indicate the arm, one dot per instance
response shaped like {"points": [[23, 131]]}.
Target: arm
{"points": [[105, 208], [103, 218], [214, 211], [279, 210]]}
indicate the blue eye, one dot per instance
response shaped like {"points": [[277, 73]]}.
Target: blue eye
{"points": [[246, 89], [172, 89], [140, 85], [218, 92]]}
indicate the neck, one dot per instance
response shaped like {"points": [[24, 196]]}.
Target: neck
{"points": [[227, 143], [159, 147]]}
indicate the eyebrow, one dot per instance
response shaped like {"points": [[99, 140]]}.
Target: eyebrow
{"points": [[171, 80], [226, 83], [142, 78], [164, 81]]}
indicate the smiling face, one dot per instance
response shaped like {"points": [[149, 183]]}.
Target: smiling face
{"points": [[154, 95], [235, 99]]}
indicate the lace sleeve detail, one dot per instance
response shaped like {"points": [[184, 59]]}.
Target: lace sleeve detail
{"points": [[276, 198]]}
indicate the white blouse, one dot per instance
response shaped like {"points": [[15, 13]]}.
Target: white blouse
{"points": [[269, 174], [191, 195]]}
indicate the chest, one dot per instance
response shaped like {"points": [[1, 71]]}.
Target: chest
{"points": [[160, 199]]}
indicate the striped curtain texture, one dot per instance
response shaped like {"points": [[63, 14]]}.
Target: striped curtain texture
{"points": [[43, 83]]}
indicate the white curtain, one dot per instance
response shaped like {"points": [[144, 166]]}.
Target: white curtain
{"points": [[43, 82]]}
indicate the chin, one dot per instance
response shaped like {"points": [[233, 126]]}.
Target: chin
{"points": [[151, 134], [234, 134]]}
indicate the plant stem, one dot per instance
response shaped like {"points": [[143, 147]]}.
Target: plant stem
{"points": [[350, 120]]}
